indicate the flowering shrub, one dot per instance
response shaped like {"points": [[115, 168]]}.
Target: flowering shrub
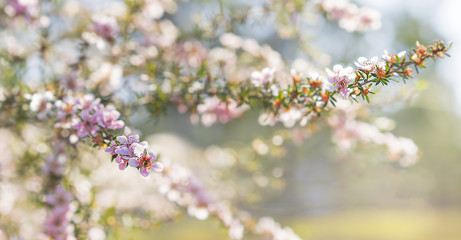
{"points": [[79, 73]]}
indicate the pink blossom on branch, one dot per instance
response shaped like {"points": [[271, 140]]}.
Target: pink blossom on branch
{"points": [[86, 115], [86, 124], [128, 151], [108, 118], [339, 79]]}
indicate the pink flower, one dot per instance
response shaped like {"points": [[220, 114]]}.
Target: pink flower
{"points": [[88, 102], [106, 27], [66, 110], [111, 148], [128, 151], [108, 118], [133, 138], [86, 115], [125, 149], [340, 78], [146, 163], [213, 109], [55, 225], [87, 124], [122, 163]]}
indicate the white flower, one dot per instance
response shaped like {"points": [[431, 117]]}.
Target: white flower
{"points": [[262, 78], [231, 40], [386, 56], [290, 117], [41, 103], [366, 64], [391, 57]]}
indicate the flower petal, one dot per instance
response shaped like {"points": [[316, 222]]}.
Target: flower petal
{"points": [[122, 150], [144, 172], [157, 167], [133, 138], [122, 165], [134, 162], [122, 139]]}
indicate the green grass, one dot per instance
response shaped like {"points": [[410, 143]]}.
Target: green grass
{"points": [[382, 225], [422, 224]]}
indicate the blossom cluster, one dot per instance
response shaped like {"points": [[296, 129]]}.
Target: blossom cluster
{"points": [[263, 77], [351, 17], [56, 225], [288, 117], [128, 151], [85, 115], [213, 109]]}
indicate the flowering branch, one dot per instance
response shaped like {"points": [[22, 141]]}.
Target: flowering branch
{"points": [[212, 100]]}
